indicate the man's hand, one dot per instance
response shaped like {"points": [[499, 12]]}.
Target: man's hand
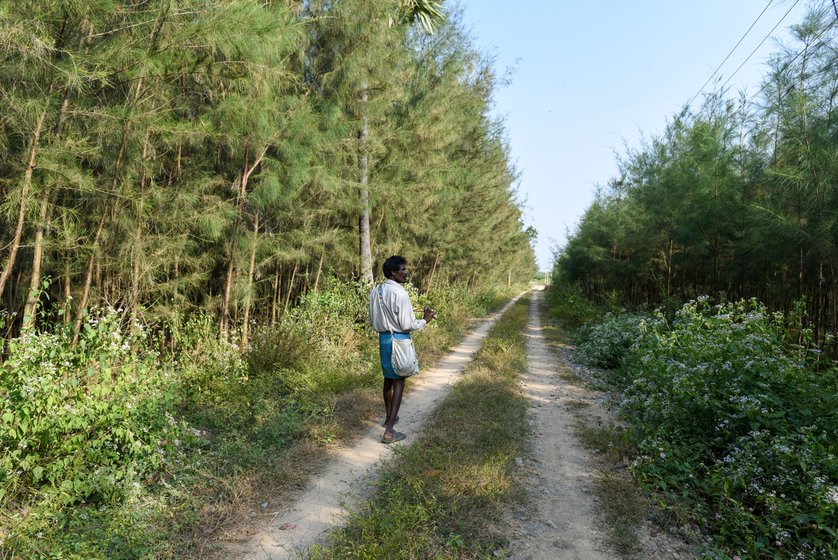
{"points": [[430, 314]]}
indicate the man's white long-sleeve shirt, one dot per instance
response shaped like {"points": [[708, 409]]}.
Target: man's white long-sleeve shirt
{"points": [[398, 315]]}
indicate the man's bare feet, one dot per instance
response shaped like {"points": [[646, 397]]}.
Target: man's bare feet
{"points": [[392, 438]]}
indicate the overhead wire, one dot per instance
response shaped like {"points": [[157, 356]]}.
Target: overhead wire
{"points": [[742, 38], [796, 2], [826, 28], [798, 55], [815, 43]]}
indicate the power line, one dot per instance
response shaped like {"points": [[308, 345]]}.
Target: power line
{"points": [[798, 55], [796, 2], [742, 38], [814, 43]]}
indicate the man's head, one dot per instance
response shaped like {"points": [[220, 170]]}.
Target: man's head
{"points": [[395, 268]]}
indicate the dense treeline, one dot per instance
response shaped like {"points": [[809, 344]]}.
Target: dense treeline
{"points": [[738, 199], [228, 155], [178, 177]]}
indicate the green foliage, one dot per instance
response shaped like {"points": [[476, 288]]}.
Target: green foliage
{"points": [[487, 299], [569, 305], [275, 347], [341, 306], [206, 156], [82, 421], [91, 424], [196, 163], [735, 197], [606, 343], [109, 436], [734, 427], [457, 301], [733, 406]]}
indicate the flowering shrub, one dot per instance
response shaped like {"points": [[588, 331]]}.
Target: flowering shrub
{"points": [[726, 417], [81, 422], [606, 343]]}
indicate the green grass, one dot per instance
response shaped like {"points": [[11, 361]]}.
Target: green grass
{"points": [[609, 442], [443, 497], [623, 509], [622, 504]]}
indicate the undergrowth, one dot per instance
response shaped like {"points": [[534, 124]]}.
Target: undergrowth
{"points": [[145, 441], [734, 423]]}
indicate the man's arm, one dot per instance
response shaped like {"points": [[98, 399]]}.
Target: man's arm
{"points": [[404, 315], [407, 317]]}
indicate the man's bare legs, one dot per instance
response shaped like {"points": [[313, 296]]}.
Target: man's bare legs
{"points": [[393, 389]]}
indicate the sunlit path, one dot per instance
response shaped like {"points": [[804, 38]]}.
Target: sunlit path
{"points": [[346, 480], [562, 523]]}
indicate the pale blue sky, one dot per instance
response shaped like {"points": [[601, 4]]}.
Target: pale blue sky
{"points": [[589, 77]]}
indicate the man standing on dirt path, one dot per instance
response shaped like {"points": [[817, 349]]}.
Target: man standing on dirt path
{"points": [[393, 316]]}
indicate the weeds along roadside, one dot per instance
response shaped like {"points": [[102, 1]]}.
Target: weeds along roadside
{"points": [[443, 496], [121, 447], [733, 424]]}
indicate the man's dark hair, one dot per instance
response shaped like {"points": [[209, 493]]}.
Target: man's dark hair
{"points": [[392, 264]]}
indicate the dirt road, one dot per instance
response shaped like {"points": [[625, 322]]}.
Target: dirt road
{"points": [[346, 480], [561, 523]]}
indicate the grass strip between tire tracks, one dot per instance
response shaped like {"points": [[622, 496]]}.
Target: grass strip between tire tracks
{"points": [[443, 496]]}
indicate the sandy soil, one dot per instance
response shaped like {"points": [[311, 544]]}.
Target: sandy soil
{"points": [[290, 532]]}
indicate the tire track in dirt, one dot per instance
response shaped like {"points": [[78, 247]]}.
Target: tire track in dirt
{"points": [[562, 524]]}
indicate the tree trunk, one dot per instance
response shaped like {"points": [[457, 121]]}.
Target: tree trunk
{"points": [[68, 291], [800, 274], [275, 296], [86, 29], [250, 271], [669, 269], [247, 170], [38, 249], [88, 280], [131, 102], [120, 159], [820, 305], [35, 281], [24, 202], [136, 249], [27, 184], [290, 287], [319, 270], [364, 250], [228, 289], [433, 271], [834, 312]]}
